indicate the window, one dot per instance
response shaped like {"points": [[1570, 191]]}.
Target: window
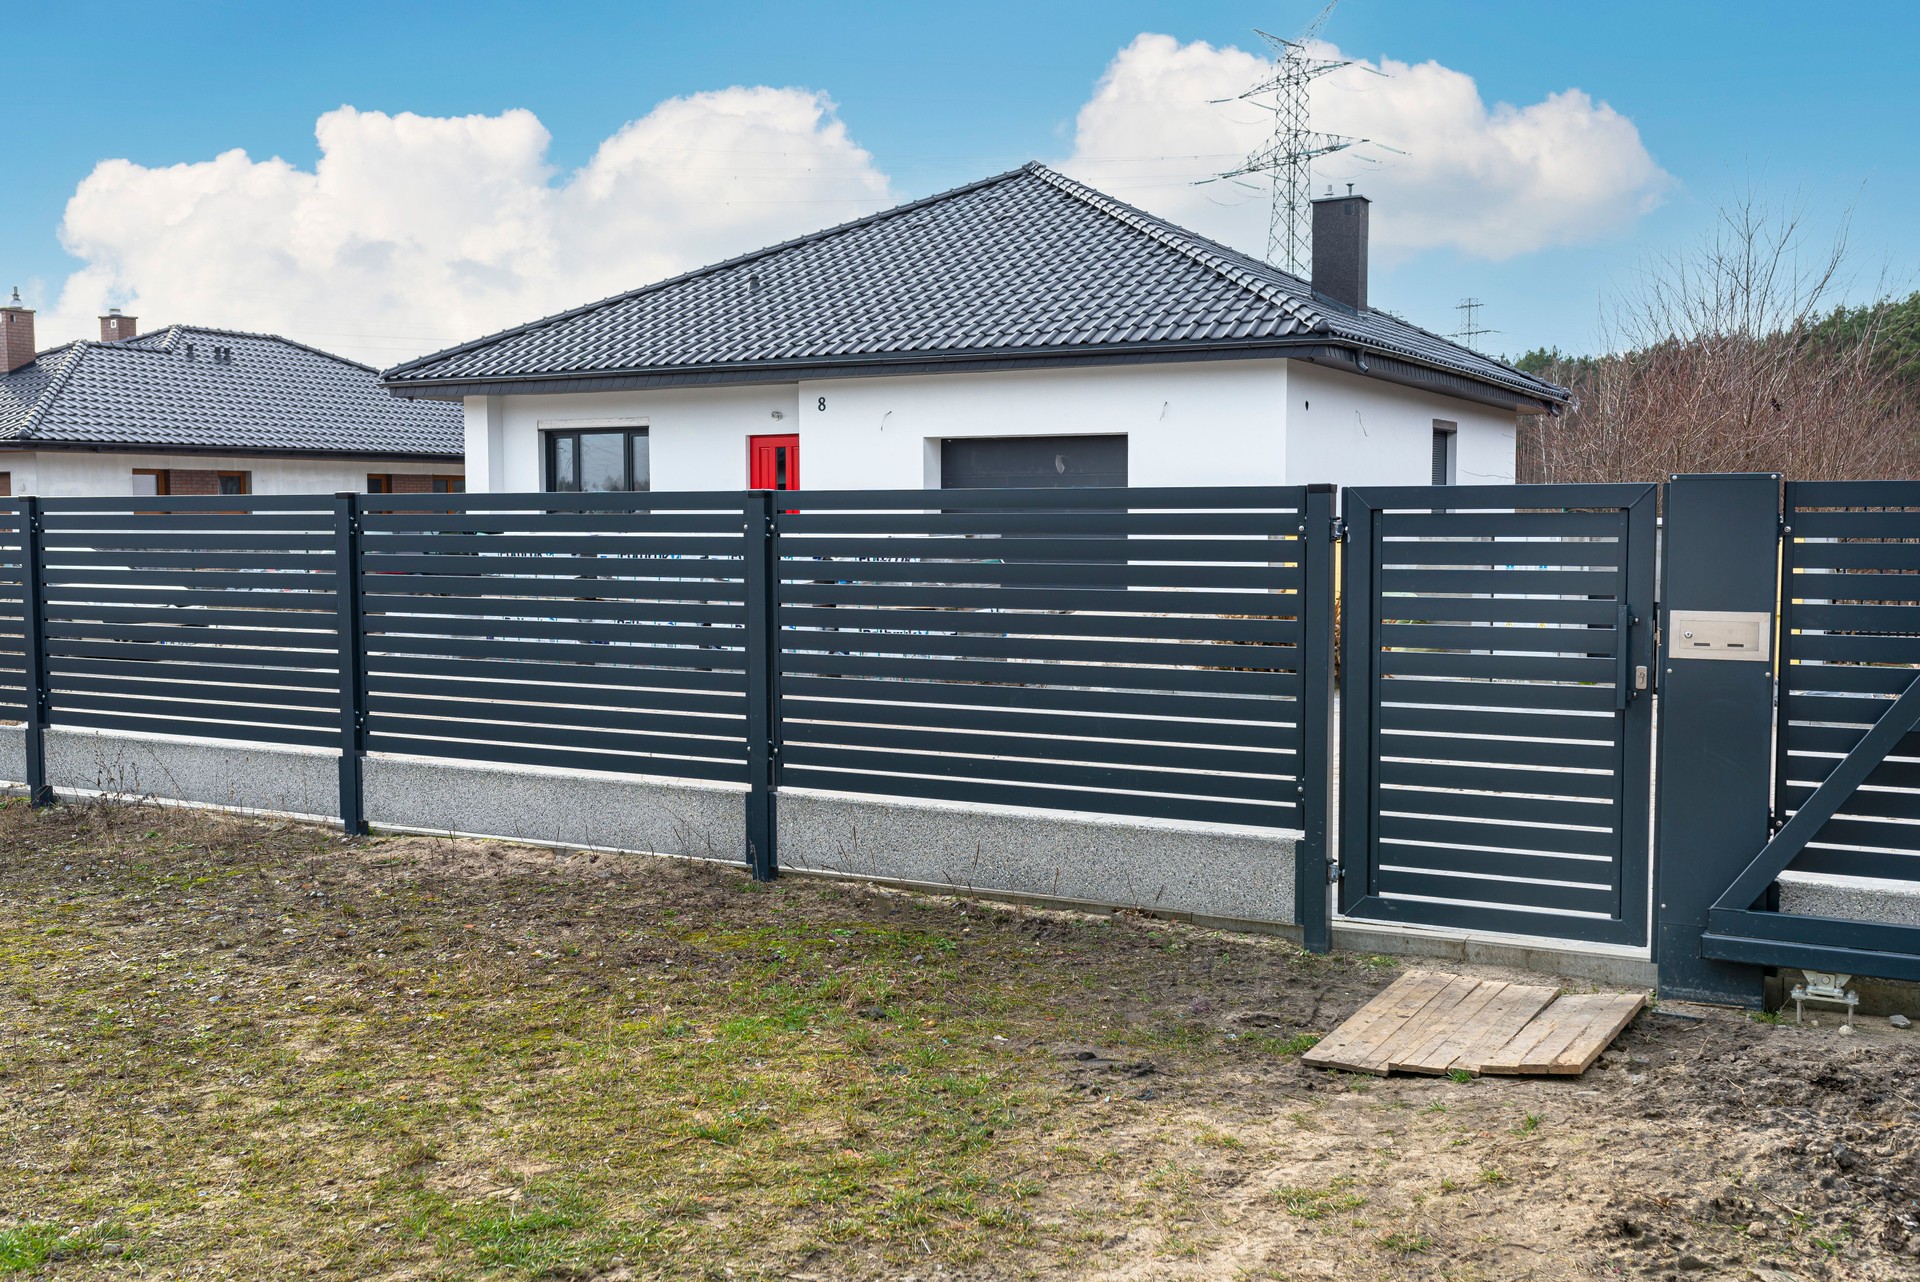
{"points": [[455, 485], [1444, 463], [150, 480], [6, 485], [379, 482], [595, 462], [235, 482]]}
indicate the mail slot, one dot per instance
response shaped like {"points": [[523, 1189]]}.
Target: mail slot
{"points": [[1720, 634]]}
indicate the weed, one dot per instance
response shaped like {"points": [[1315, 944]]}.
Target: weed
{"points": [[1406, 1243], [1766, 1016], [28, 1246], [1492, 1175], [1317, 1203], [1298, 1044], [1460, 1075], [1528, 1124]]}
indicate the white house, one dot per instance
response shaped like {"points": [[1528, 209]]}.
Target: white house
{"points": [[1022, 330], [191, 410]]}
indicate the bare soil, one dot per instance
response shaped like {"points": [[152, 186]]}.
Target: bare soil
{"points": [[242, 1049]]}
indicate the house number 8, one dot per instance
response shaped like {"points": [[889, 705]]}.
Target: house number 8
{"points": [[822, 403]]}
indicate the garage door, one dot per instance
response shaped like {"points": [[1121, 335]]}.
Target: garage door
{"points": [[1033, 462]]}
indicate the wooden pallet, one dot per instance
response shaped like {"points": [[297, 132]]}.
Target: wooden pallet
{"points": [[1567, 1037], [1427, 1022]]}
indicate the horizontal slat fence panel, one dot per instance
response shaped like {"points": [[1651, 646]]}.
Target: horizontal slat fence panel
{"points": [[1138, 653], [13, 579], [1850, 645], [1490, 781], [1128, 652], [206, 617], [579, 631]]}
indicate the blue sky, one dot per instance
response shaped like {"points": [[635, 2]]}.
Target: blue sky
{"points": [[1798, 102]]}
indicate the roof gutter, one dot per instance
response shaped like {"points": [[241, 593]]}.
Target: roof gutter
{"points": [[1320, 350]]}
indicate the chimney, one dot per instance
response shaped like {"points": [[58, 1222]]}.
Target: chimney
{"points": [[1340, 249], [114, 326], [16, 334]]}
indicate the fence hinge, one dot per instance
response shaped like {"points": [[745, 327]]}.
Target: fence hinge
{"points": [[1339, 529], [1334, 872]]}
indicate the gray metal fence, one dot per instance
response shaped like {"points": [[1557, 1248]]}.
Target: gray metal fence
{"points": [[1130, 652], [565, 630], [194, 619], [1138, 652], [1850, 645], [1154, 654]]}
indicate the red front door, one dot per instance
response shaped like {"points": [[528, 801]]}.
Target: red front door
{"points": [[773, 462]]}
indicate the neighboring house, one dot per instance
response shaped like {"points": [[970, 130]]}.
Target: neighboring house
{"points": [[1021, 330], [189, 410]]}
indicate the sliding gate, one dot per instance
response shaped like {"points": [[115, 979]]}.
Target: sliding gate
{"points": [[1498, 648]]}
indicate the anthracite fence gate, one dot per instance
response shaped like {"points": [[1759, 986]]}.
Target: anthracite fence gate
{"points": [[1498, 644], [1847, 765]]}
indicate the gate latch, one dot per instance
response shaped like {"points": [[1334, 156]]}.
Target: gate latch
{"points": [[1640, 677]]}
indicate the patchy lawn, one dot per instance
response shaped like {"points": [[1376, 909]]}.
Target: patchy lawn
{"points": [[237, 1049]]}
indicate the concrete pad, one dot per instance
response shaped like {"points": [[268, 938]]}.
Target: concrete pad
{"points": [[526, 803], [1599, 964], [1204, 870]]}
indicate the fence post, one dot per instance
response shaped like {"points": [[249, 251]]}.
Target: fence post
{"points": [[1713, 794], [1314, 865], [353, 667], [33, 628], [760, 534]]}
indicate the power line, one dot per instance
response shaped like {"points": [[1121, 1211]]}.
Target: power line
{"points": [[1470, 327], [1287, 159]]}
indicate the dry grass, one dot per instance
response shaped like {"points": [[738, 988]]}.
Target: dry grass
{"points": [[246, 1049], [235, 1049]]}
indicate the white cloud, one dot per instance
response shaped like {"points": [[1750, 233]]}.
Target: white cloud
{"points": [[1489, 181], [415, 232]]}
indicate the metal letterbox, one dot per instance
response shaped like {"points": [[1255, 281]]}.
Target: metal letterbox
{"points": [[1720, 634]]}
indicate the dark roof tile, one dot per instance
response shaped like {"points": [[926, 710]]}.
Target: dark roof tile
{"points": [[1026, 264], [164, 389]]}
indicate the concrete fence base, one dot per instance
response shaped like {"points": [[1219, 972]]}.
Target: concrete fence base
{"points": [[1194, 870], [647, 814], [1231, 877], [1199, 872]]}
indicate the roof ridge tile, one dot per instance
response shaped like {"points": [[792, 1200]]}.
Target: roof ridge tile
{"points": [[56, 383], [1178, 238]]}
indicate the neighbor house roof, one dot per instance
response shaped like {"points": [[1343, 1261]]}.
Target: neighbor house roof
{"points": [[170, 389], [1026, 268]]}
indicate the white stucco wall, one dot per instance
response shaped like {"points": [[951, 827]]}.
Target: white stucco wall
{"points": [[1208, 423], [1352, 430], [1233, 422], [698, 436], [80, 474]]}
